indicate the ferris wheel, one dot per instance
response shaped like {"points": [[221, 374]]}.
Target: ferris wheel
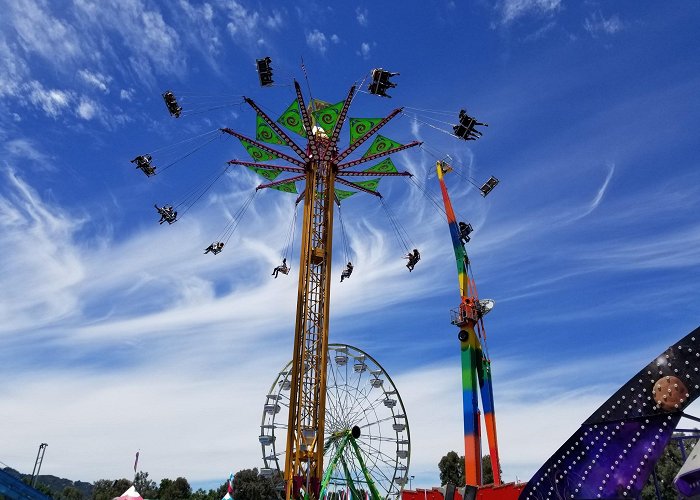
{"points": [[362, 402]]}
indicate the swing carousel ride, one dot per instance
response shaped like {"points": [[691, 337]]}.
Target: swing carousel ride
{"points": [[334, 403]]}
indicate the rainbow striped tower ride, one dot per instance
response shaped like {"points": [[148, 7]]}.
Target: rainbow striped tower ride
{"points": [[476, 366]]}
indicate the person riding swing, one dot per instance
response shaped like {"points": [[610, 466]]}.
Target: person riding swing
{"points": [[281, 268], [413, 259], [346, 272], [167, 214], [215, 247], [143, 162], [465, 230]]}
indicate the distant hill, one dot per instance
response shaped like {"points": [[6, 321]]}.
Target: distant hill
{"points": [[55, 484]]}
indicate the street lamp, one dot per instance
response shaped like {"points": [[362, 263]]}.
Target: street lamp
{"points": [[410, 478]]}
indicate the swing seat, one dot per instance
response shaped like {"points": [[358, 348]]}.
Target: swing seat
{"points": [[284, 270]]}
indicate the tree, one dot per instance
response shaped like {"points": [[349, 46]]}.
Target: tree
{"points": [[666, 469], [147, 487], [216, 494], [106, 489], [174, 490], [70, 493], [452, 469], [249, 485], [486, 470]]}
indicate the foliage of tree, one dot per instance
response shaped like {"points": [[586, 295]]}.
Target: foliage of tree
{"points": [[43, 489], [452, 469], [146, 487], [486, 470], [174, 490], [249, 485], [69, 493], [106, 489], [666, 469], [216, 494]]}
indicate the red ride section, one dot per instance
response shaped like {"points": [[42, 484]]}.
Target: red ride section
{"points": [[508, 491]]}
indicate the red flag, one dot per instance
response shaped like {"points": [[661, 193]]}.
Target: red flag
{"points": [[136, 462]]}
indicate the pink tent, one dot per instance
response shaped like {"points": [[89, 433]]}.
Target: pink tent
{"points": [[130, 494]]}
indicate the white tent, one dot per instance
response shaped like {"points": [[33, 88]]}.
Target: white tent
{"points": [[130, 494]]}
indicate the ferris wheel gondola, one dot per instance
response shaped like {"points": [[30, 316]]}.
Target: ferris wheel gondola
{"points": [[359, 394]]}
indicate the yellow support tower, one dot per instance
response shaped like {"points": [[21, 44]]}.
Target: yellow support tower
{"points": [[320, 166], [307, 399]]}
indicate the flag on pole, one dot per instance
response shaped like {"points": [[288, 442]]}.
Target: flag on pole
{"points": [[136, 462]]}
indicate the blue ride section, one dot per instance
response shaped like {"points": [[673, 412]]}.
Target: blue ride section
{"points": [[13, 488]]}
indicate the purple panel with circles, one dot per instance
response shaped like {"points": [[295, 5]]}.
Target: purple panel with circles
{"points": [[615, 449]]}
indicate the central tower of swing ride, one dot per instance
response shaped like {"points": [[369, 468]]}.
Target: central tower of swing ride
{"points": [[326, 170]]}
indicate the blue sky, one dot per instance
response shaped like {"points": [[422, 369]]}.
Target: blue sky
{"points": [[118, 334]]}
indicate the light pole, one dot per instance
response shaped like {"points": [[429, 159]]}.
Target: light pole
{"points": [[37, 464], [410, 478]]}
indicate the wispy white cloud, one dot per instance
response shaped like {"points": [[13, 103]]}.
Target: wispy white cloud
{"points": [[26, 149], [317, 40], [362, 14], [274, 21], [87, 109], [202, 31], [39, 32], [157, 46], [13, 69], [97, 80], [40, 256], [365, 50], [596, 24], [52, 101], [511, 10], [126, 94], [598, 197], [242, 21], [541, 32]]}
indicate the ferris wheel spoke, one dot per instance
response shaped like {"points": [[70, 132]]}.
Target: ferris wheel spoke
{"points": [[348, 400], [376, 452], [332, 407], [335, 402], [372, 470], [379, 438], [385, 419], [352, 402], [372, 406]]}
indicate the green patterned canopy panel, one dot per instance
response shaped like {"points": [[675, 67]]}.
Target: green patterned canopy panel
{"points": [[270, 175], [370, 185], [360, 126], [327, 117], [264, 133], [342, 194], [381, 144], [291, 119], [386, 166], [256, 153], [287, 187]]}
